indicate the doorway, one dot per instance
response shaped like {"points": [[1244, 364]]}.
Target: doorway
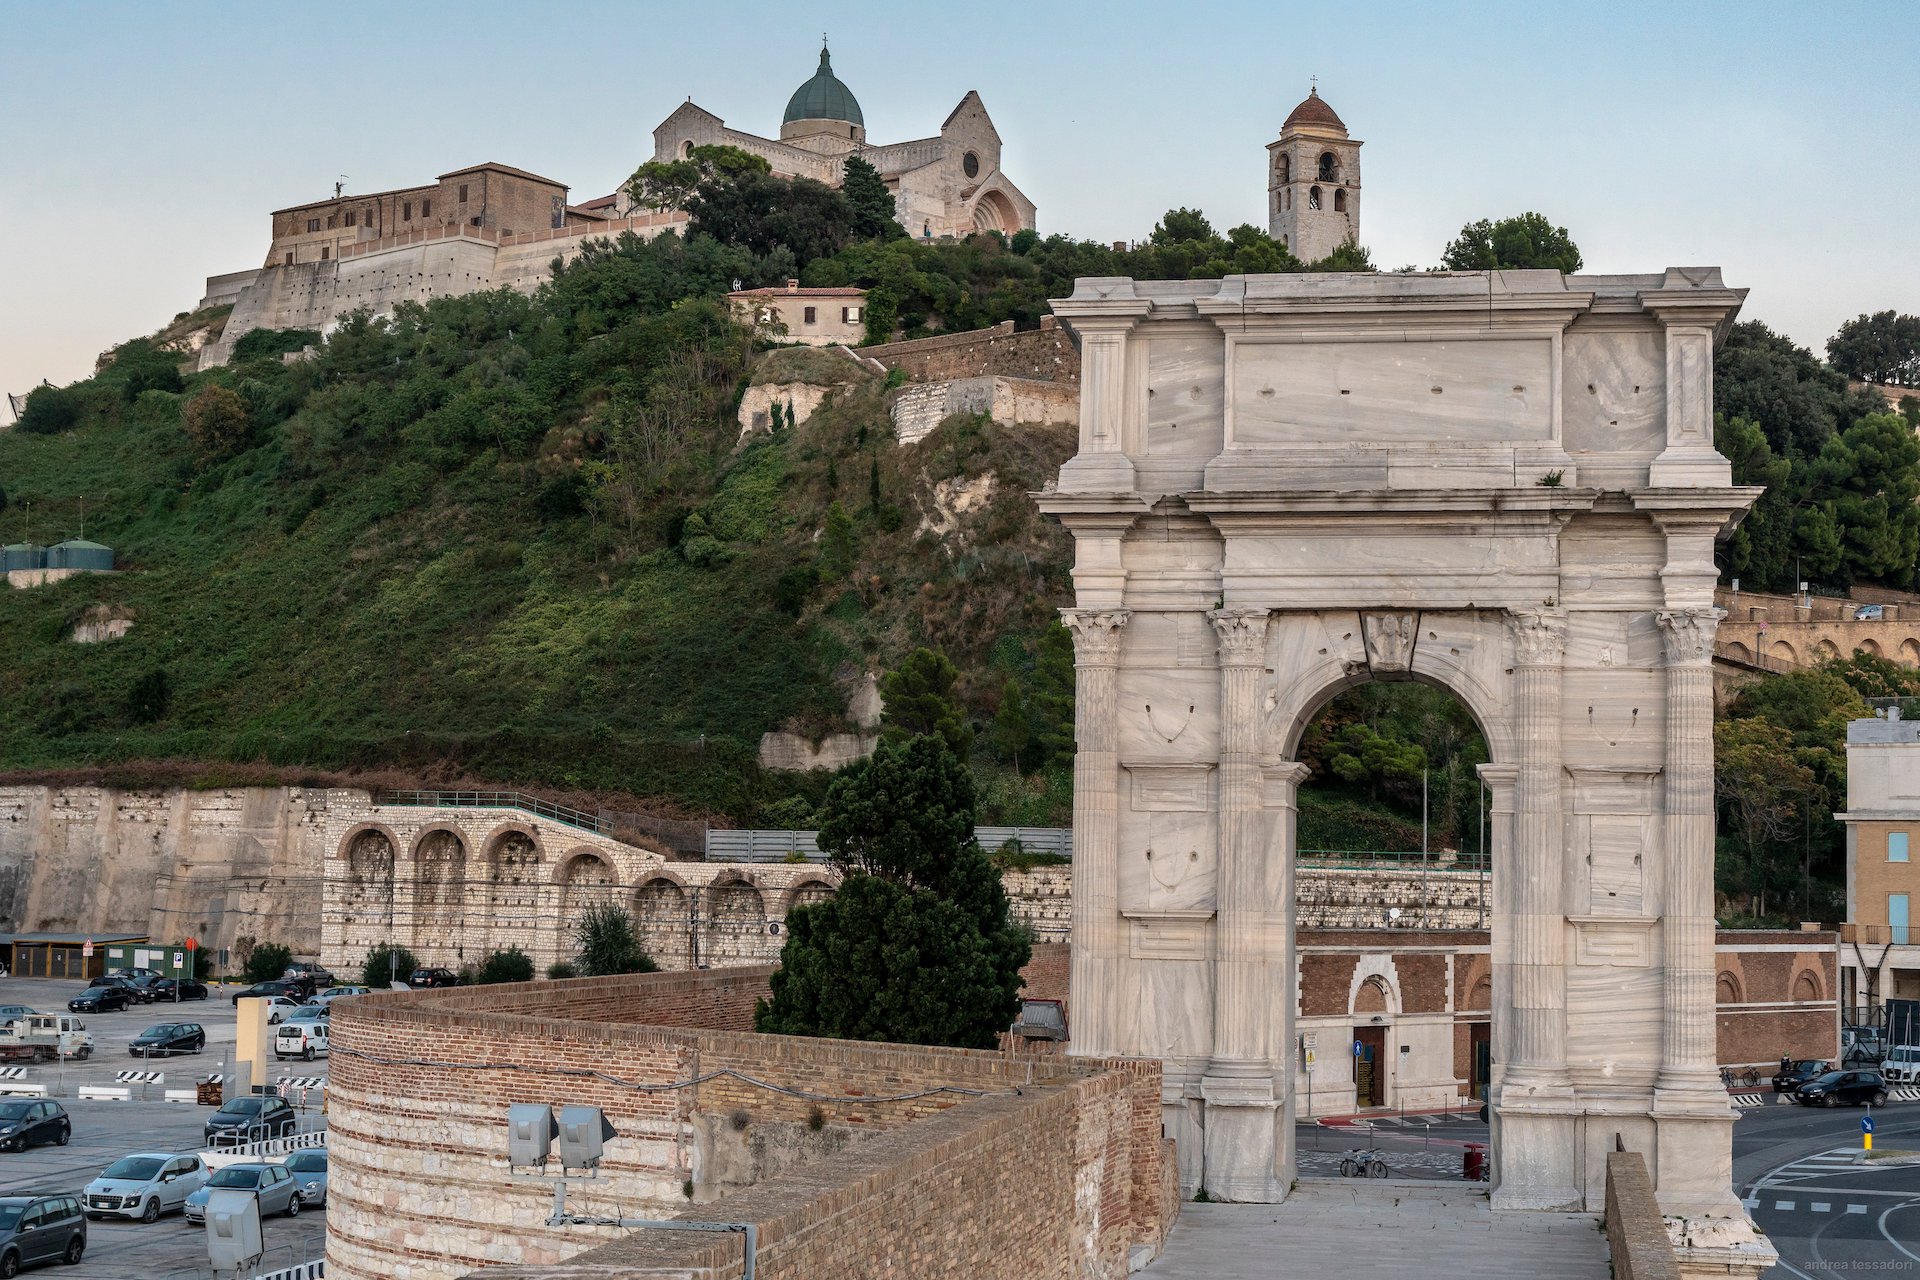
{"points": [[1369, 1067], [1479, 1059]]}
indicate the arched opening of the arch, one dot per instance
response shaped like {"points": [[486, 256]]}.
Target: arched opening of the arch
{"points": [[586, 879], [1393, 907], [439, 893], [513, 889], [663, 919], [366, 896]]}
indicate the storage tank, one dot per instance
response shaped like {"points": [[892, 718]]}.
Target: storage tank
{"points": [[77, 553], [22, 555]]}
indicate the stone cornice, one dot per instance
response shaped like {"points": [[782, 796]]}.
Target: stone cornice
{"points": [[1675, 509], [1527, 501]]}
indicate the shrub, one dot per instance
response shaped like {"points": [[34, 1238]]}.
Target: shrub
{"points": [[256, 344], [50, 410], [511, 965], [608, 943], [217, 422], [561, 969], [268, 961], [387, 964]]}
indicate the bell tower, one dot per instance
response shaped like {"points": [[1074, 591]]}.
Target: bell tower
{"points": [[1313, 181]]}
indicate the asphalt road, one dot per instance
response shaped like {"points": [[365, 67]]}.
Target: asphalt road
{"points": [[1827, 1212], [104, 1131]]}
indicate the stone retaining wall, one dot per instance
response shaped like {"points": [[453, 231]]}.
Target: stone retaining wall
{"points": [[420, 1189], [1047, 353]]}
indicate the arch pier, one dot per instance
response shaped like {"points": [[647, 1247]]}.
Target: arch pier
{"points": [[1504, 485]]}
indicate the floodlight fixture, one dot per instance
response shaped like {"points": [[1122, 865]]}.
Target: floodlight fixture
{"points": [[530, 1133], [584, 1132], [234, 1243]]}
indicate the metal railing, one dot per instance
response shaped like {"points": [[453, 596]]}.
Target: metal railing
{"points": [[251, 1144], [1469, 861], [593, 822], [778, 846]]}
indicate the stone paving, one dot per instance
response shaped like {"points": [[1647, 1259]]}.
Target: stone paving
{"points": [[1381, 1230]]}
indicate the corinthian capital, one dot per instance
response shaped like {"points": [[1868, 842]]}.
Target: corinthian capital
{"points": [[1689, 634], [1243, 635], [1096, 634], [1539, 639]]}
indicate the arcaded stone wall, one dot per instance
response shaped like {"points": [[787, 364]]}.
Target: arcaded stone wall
{"points": [[227, 866], [420, 1188], [1776, 632]]}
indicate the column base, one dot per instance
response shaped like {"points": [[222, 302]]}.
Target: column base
{"points": [[1537, 1149], [1690, 467], [1693, 1147], [1247, 1158], [1712, 1248]]}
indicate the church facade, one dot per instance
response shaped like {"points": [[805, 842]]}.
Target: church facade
{"points": [[947, 184]]}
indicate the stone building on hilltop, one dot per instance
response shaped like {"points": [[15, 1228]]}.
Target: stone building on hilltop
{"points": [[1313, 181], [950, 184]]}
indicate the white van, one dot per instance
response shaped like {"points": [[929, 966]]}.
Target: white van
{"points": [[305, 1039], [1902, 1065]]}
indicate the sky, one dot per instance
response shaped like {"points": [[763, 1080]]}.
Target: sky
{"points": [[142, 145]]}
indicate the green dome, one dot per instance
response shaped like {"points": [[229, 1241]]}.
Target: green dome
{"points": [[823, 98]]}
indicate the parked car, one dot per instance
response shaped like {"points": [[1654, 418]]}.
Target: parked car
{"points": [[168, 1039], [1835, 1087], [331, 994], [1792, 1074], [310, 976], [280, 1007], [308, 1013], [1869, 613], [28, 1122], [252, 1117], [144, 1185], [102, 999], [163, 990], [120, 982], [271, 1184], [309, 1169], [1863, 1047], [36, 1229], [1902, 1064], [421, 978], [304, 1039], [277, 987], [12, 1012]]}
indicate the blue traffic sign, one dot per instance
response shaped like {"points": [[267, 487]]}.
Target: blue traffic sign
{"points": [[1866, 1124], [1358, 1048]]}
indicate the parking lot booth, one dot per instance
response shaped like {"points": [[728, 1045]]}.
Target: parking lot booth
{"points": [[63, 955]]}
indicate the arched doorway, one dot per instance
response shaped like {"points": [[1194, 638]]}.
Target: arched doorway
{"points": [[586, 878], [439, 893]]}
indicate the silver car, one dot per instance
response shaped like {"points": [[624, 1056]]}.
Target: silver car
{"points": [[309, 1170], [271, 1185], [144, 1185]]}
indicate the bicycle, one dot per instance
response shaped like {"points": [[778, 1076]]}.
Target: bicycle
{"points": [[1362, 1164]]}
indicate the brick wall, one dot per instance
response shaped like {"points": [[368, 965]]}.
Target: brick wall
{"points": [[1045, 976], [420, 1190], [1047, 353]]}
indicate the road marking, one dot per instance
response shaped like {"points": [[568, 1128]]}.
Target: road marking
{"points": [[1751, 1202], [1856, 1208], [1819, 1206], [1783, 1204]]}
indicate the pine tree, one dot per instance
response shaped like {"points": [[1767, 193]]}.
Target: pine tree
{"points": [[1011, 731], [1053, 689], [873, 206], [918, 696], [873, 488]]}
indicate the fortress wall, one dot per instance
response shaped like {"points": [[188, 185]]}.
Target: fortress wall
{"points": [[227, 866]]}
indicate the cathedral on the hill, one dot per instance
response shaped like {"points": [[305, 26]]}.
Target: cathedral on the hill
{"points": [[949, 184]]}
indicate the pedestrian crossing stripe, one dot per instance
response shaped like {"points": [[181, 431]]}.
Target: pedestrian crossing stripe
{"points": [[13, 1073], [302, 1082]]}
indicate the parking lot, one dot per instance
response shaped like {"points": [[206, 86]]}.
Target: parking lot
{"points": [[104, 1131]]}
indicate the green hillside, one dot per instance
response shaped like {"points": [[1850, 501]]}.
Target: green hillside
{"points": [[509, 540]]}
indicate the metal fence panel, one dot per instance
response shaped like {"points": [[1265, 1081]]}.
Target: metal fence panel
{"points": [[778, 846]]}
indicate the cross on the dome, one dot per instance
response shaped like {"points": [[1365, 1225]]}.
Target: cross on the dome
{"points": [[1313, 84]]}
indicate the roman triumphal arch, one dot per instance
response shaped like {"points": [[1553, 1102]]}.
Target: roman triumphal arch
{"points": [[1503, 484]]}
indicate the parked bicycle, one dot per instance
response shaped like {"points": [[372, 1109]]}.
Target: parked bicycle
{"points": [[1362, 1164]]}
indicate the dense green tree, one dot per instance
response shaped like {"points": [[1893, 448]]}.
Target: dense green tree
{"points": [[1799, 402], [871, 202], [918, 698], [1179, 226], [1882, 347], [511, 965], [267, 961], [1760, 550], [386, 965], [217, 422], [671, 184], [1012, 729], [1359, 754], [608, 943], [50, 411], [1763, 790], [837, 546], [1054, 683], [140, 366], [917, 947], [1511, 244]]}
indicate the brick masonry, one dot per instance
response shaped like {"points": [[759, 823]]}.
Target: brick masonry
{"points": [[914, 1186]]}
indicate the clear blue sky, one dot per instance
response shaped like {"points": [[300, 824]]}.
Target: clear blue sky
{"points": [[144, 144]]}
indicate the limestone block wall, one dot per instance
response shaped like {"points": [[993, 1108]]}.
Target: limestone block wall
{"points": [[227, 866], [1047, 354], [420, 1188], [919, 407], [1042, 899]]}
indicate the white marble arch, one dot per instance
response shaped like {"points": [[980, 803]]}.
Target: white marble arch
{"points": [[1502, 483]]}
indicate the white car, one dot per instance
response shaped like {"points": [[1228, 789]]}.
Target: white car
{"points": [[331, 994], [304, 1039], [1902, 1064], [144, 1185], [279, 1008]]}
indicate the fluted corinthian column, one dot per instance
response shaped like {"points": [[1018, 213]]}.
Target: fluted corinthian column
{"points": [[1240, 947], [1098, 936], [1538, 1041], [1690, 1052]]}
